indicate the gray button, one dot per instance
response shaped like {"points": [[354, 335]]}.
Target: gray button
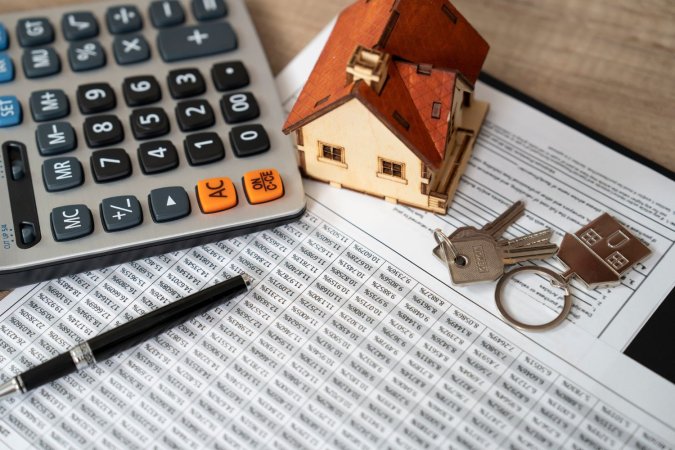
{"points": [[195, 41], [49, 105], [131, 49], [60, 174], [86, 55], [55, 138], [166, 13], [79, 25], [71, 222], [34, 31], [123, 19], [169, 203], [208, 9], [40, 62], [121, 213]]}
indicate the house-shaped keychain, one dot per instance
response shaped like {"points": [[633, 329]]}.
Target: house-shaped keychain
{"points": [[388, 109]]}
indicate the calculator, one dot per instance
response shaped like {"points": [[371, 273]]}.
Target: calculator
{"points": [[133, 129]]}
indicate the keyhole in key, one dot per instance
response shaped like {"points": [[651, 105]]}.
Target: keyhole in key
{"points": [[461, 261]]}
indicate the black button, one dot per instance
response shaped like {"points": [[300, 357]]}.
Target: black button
{"points": [[239, 107], [130, 49], [123, 19], [34, 31], [55, 137], [209, 9], [71, 222], [40, 62], [95, 98], [121, 213], [86, 55], [105, 130], [110, 164], [49, 105], [169, 203], [166, 13], [60, 174], [185, 83], [148, 123], [230, 75], [141, 90], [194, 115], [157, 156], [248, 140], [203, 148], [79, 25]]}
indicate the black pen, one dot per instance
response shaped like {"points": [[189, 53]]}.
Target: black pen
{"points": [[87, 353]]}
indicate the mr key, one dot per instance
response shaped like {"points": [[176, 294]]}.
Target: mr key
{"points": [[479, 255]]}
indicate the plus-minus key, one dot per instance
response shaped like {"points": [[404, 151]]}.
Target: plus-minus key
{"points": [[180, 43]]}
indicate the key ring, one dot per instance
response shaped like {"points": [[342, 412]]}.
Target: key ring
{"points": [[556, 279]]}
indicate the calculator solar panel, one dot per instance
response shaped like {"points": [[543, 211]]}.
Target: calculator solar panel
{"points": [[129, 129]]}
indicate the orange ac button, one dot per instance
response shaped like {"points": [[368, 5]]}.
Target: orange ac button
{"points": [[216, 194], [263, 186]]}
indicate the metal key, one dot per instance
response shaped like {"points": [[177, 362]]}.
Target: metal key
{"points": [[475, 256]]}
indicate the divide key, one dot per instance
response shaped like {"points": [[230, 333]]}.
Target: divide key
{"points": [[180, 43]]}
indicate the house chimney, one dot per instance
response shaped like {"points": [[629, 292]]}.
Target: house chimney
{"points": [[368, 65]]}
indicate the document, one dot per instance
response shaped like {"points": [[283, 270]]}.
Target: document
{"points": [[353, 335]]}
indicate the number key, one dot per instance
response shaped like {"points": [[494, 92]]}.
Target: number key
{"points": [[147, 123], [203, 148], [194, 115], [104, 130], [248, 140], [95, 98], [157, 156], [185, 83], [141, 90], [110, 164], [239, 107]]}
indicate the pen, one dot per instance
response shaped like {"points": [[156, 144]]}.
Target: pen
{"points": [[103, 346]]}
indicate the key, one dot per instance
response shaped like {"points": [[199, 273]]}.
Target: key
{"points": [[475, 256]]}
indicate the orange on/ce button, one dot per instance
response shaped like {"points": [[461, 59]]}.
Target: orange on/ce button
{"points": [[263, 186], [216, 194]]}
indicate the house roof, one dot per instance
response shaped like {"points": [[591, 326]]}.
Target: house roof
{"points": [[414, 32]]}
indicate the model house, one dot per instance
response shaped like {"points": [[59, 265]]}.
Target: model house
{"points": [[388, 109]]}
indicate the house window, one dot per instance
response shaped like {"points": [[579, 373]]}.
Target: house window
{"points": [[332, 154], [591, 237], [426, 172], [617, 260], [300, 138], [392, 170]]}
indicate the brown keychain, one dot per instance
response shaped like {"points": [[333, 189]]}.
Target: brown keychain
{"points": [[598, 254]]}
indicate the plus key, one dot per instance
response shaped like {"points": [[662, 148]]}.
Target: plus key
{"points": [[194, 41]]}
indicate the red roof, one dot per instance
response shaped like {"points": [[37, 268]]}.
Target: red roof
{"points": [[414, 32]]}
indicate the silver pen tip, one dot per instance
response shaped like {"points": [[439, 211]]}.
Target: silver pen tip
{"points": [[10, 387], [248, 280]]}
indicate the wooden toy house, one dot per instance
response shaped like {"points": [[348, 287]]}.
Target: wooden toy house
{"points": [[388, 109]]}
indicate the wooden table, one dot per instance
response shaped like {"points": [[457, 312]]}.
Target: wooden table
{"points": [[608, 64]]}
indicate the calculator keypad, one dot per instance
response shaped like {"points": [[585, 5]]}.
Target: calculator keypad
{"points": [[146, 142]]}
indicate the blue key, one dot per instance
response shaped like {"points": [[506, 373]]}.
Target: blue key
{"points": [[4, 38], [6, 68], [10, 111]]}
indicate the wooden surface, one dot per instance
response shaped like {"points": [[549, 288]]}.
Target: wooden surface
{"points": [[608, 64]]}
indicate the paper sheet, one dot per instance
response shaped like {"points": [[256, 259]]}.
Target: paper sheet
{"points": [[353, 336]]}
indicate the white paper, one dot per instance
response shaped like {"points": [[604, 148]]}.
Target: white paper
{"points": [[353, 336]]}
